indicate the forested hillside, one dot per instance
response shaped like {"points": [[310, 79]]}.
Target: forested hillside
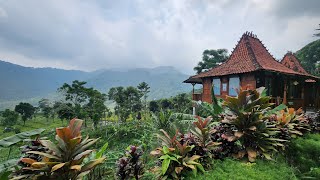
{"points": [[28, 84], [309, 57]]}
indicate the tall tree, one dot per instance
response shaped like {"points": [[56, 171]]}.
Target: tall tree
{"points": [[77, 94], [210, 59], [45, 107], [95, 107], [64, 110], [144, 89], [127, 100], [10, 118], [26, 111]]}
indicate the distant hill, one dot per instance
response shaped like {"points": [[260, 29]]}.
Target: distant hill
{"points": [[19, 83], [309, 57]]}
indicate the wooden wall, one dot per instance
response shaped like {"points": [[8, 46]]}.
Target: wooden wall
{"points": [[207, 85], [248, 81]]}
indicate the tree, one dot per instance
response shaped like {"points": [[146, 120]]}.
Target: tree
{"points": [[46, 109], [95, 106], [309, 57], [10, 118], [127, 100], [75, 93], [144, 90], [166, 104], [64, 110], [182, 103], [210, 59], [26, 111], [154, 106]]}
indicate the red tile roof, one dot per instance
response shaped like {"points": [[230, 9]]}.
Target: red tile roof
{"points": [[249, 55], [291, 61]]}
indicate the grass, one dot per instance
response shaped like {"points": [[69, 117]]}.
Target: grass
{"points": [[236, 170]]}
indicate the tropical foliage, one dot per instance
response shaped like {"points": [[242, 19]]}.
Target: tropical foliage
{"points": [[63, 160]]}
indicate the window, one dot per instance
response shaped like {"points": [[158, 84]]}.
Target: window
{"points": [[234, 85], [216, 86]]}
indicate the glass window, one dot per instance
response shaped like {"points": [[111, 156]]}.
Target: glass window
{"points": [[216, 86], [234, 85]]}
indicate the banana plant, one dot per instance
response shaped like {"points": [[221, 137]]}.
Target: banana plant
{"points": [[64, 160]]}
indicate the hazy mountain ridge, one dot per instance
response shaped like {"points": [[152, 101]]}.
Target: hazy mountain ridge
{"points": [[30, 84]]}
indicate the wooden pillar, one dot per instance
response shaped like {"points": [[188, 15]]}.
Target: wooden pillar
{"points": [[285, 92], [193, 104], [206, 94]]}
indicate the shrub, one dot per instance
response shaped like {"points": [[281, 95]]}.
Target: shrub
{"points": [[304, 152], [291, 123], [63, 160], [130, 165], [247, 124], [10, 118], [174, 157]]}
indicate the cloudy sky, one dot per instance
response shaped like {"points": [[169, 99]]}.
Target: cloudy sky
{"points": [[90, 35]]}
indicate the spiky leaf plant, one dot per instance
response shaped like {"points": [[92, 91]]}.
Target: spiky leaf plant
{"points": [[291, 123], [64, 160], [249, 125]]}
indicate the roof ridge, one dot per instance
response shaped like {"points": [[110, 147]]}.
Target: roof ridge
{"points": [[251, 52]]}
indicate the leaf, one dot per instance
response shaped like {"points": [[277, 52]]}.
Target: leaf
{"points": [[28, 160], [92, 164], [238, 134], [178, 169], [155, 153], [38, 165], [76, 167], [165, 166], [195, 157], [252, 154], [43, 154], [75, 127], [58, 166], [83, 154], [51, 146], [84, 146], [253, 128], [165, 150], [64, 133], [12, 140], [102, 150]]}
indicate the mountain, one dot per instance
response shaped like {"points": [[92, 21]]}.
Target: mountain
{"points": [[309, 57], [19, 83]]}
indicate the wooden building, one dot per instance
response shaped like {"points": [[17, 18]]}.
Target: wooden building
{"points": [[250, 66]]}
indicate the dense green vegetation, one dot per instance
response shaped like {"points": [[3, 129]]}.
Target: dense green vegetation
{"points": [[309, 57], [243, 137]]}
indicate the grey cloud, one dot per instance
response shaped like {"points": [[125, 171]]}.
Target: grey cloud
{"points": [[144, 33]]}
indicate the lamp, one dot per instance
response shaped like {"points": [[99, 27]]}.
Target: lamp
{"points": [[295, 83]]}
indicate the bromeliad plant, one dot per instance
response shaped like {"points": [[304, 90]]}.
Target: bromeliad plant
{"points": [[291, 123], [63, 160], [249, 126], [175, 158], [200, 138]]}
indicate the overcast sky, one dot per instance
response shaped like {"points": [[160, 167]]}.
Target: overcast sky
{"points": [[90, 35]]}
